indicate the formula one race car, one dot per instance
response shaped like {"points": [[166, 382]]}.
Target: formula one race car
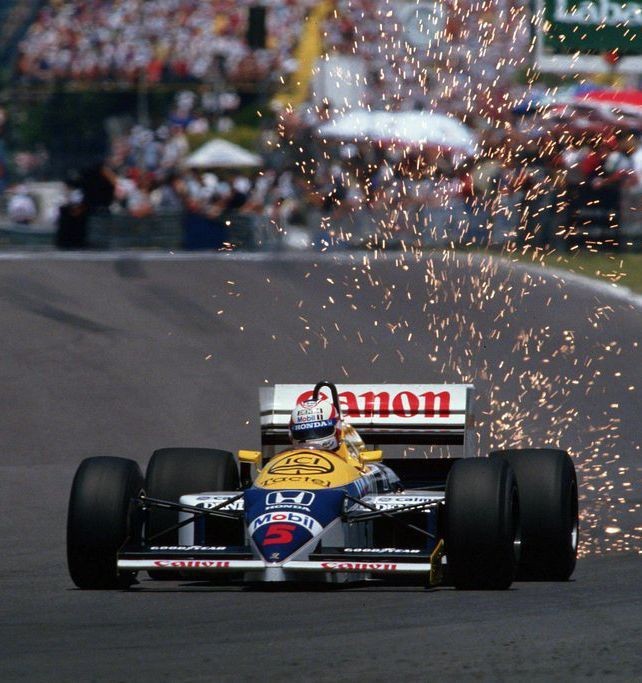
{"points": [[332, 515]]}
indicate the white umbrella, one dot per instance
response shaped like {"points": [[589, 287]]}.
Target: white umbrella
{"points": [[433, 129], [407, 127], [353, 125], [222, 154]]}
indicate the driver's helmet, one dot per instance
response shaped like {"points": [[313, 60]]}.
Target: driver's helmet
{"points": [[316, 424]]}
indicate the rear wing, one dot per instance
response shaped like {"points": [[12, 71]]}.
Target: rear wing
{"points": [[404, 414]]}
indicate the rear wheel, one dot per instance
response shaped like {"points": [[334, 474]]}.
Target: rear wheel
{"points": [[481, 527], [547, 485], [98, 520], [173, 472]]}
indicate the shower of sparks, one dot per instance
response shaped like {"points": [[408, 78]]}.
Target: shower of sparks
{"points": [[527, 398], [529, 379]]}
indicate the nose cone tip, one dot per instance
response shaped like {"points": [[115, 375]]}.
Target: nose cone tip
{"points": [[283, 522], [280, 539]]}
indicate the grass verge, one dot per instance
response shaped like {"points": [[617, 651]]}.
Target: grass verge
{"points": [[622, 269]]}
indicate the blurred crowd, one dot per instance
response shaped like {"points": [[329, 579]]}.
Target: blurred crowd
{"points": [[463, 54], [532, 181], [459, 56], [161, 40], [534, 177]]}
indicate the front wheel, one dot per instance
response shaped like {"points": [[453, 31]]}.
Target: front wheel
{"points": [[173, 472], [547, 486], [482, 527], [99, 520]]}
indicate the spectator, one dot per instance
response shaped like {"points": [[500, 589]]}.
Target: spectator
{"points": [[3, 168], [99, 186], [22, 208], [71, 232], [3, 153], [619, 173], [636, 160]]}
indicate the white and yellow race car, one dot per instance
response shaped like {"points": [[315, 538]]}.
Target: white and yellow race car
{"points": [[333, 516]]}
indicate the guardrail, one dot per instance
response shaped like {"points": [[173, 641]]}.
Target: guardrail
{"points": [[113, 231], [180, 230]]}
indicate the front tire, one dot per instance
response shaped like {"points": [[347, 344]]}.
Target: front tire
{"points": [[481, 529], [99, 520], [173, 472], [547, 485]]}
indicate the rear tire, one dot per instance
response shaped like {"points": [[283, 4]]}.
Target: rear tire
{"points": [[481, 530], [547, 485], [98, 520], [173, 472]]}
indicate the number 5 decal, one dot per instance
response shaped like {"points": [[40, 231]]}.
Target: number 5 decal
{"points": [[279, 533]]}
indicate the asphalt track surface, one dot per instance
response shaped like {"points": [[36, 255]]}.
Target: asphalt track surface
{"points": [[123, 355]]}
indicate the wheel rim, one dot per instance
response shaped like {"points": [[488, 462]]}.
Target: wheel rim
{"points": [[575, 525], [516, 525]]}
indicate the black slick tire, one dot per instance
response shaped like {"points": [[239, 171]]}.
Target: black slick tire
{"points": [[547, 485], [98, 521], [173, 472], [481, 529]]}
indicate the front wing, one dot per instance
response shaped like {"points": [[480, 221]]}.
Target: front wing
{"points": [[332, 561], [328, 563]]}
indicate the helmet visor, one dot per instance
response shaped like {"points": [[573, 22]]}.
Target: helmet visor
{"points": [[308, 431]]}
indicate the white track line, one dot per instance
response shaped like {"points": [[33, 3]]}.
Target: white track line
{"points": [[620, 292]]}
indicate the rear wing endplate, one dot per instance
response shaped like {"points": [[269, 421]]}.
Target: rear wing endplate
{"points": [[404, 414]]}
